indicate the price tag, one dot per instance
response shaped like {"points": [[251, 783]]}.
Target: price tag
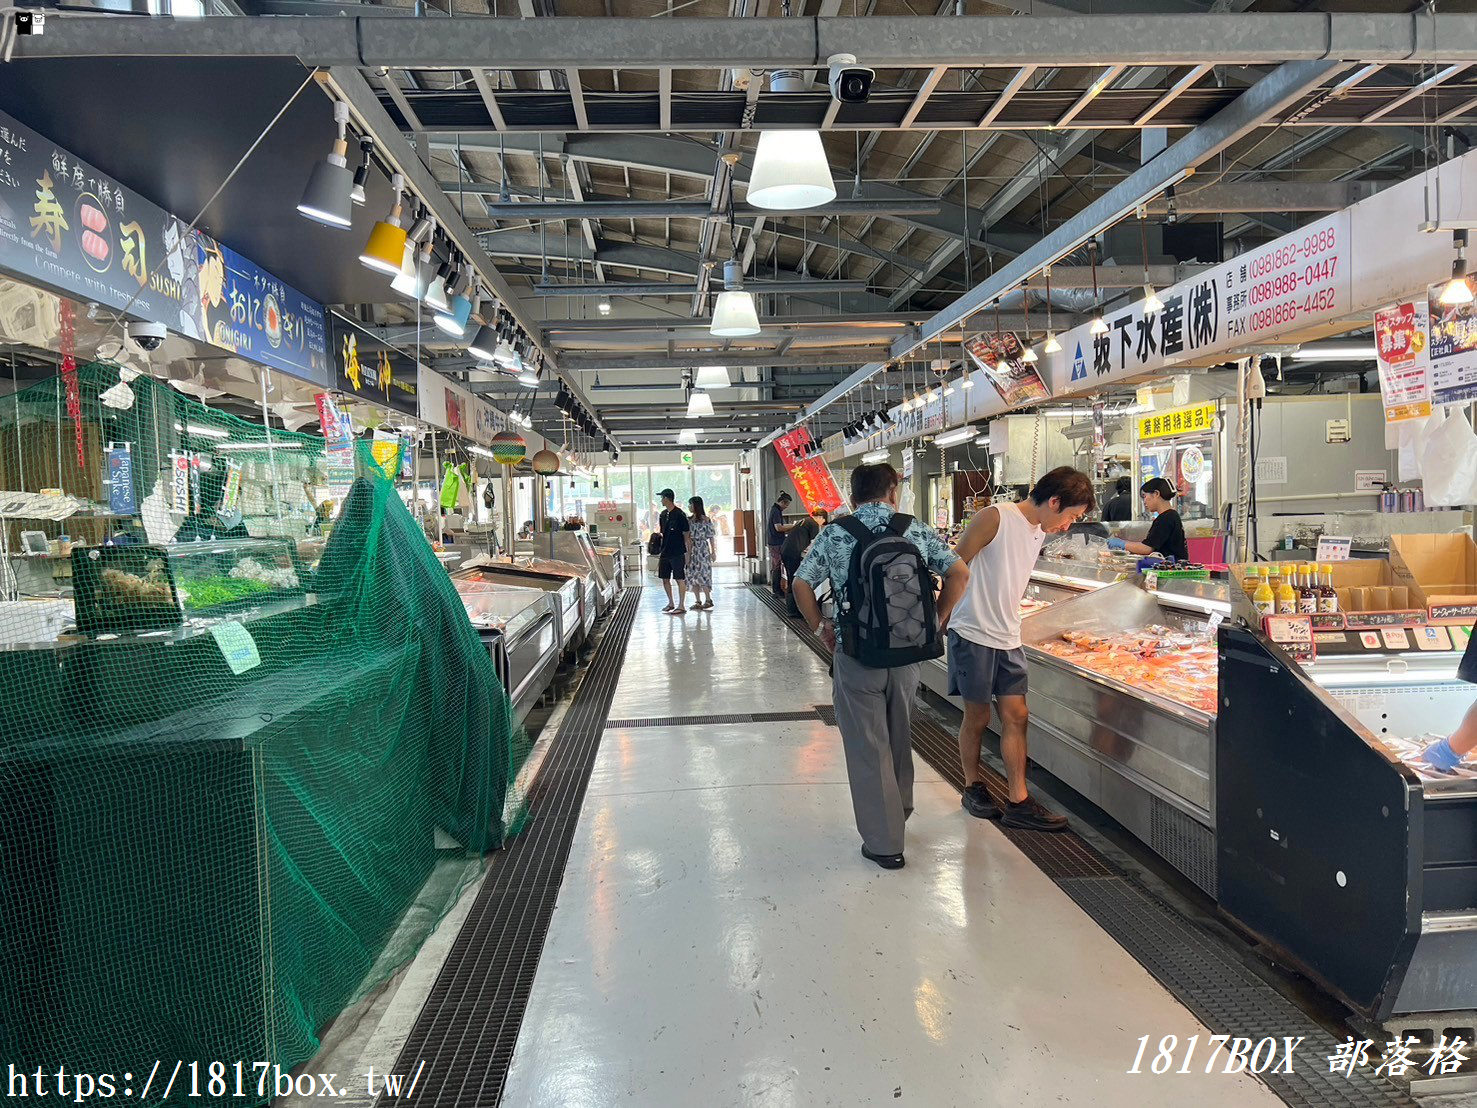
{"points": [[1151, 580], [1332, 548], [1214, 625], [237, 647]]}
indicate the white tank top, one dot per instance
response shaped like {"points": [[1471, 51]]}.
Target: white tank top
{"points": [[989, 614]]}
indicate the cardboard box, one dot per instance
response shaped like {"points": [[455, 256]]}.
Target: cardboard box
{"points": [[1368, 587], [1439, 569]]}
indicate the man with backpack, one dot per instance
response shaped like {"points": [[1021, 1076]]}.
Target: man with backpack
{"points": [[881, 565], [986, 660]]}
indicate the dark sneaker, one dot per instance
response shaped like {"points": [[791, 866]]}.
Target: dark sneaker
{"points": [[976, 801], [886, 861], [1029, 815]]}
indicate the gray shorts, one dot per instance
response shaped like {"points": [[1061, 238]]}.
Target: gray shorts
{"points": [[981, 673]]}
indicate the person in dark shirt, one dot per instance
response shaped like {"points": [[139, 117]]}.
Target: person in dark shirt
{"points": [[774, 538], [797, 542], [1119, 508], [672, 566], [1167, 533]]}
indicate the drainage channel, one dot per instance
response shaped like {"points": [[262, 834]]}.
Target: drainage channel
{"points": [[1197, 967], [695, 721], [461, 1045]]}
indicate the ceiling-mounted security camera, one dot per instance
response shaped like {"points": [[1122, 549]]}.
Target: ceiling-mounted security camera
{"points": [[850, 83], [147, 336]]}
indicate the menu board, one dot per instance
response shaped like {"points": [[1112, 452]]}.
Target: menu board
{"points": [[811, 474], [67, 225]]}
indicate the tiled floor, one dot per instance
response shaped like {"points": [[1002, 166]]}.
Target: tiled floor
{"points": [[719, 939]]}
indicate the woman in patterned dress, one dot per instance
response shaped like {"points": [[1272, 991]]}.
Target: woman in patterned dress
{"points": [[700, 553]]}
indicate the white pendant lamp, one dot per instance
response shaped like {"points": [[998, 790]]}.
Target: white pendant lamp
{"points": [[687, 437], [734, 315], [790, 167], [713, 377], [1051, 346], [328, 199], [699, 404]]}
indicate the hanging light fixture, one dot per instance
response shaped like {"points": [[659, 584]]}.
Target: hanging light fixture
{"points": [[453, 321], [790, 167], [687, 437], [410, 280], [734, 315], [361, 175], [603, 307], [1458, 290], [1050, 346], [699, 404], [436, 295], [713, 377], [327, 198], [1099, 324], [385, 247], [484, 342], [1152, 303], [529, 374], [1028, 354]]}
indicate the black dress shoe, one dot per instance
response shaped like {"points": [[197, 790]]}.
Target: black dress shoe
{"points": [[886, 861], [976, 801], [1029, 815]]}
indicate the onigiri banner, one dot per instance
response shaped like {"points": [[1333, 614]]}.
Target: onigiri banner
{"points": [[67, 225]]}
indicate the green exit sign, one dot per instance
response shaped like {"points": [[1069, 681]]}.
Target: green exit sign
{"points": [[687, 457]]}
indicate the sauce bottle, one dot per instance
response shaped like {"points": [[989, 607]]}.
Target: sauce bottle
{"points": [[1307, 588], [1262, 597], [1328, 596], [1287, 595]]}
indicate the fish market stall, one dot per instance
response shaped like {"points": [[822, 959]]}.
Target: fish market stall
{"points": [[575, 548], [519, 628], [1325, 811]]}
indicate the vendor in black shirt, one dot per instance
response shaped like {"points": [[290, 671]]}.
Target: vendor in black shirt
{"points": [[1166, 534], [1119, 509]]}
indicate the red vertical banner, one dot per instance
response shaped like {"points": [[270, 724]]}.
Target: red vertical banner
{"points": [[69, 378], [809, 471]]}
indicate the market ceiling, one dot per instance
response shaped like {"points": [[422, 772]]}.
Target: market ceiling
{"points": [[589, 163]]}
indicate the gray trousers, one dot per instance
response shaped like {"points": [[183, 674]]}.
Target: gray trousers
{"points": [[874, 709]]}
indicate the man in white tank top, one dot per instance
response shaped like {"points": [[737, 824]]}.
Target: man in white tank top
{"points": [[986, 661]]}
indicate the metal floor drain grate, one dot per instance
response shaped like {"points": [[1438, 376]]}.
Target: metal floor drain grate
{"points": [[1196, 967], [462, 1042], [688, 721]]}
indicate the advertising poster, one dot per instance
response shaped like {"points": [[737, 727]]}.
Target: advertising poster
{"points": [[339, 453], [381, 376], [811, 474], [66, 225], [1402, 349], [1020, 382], [1453, 348], [121, 496]]}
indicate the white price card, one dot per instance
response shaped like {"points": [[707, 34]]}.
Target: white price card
{"points": [[237, 647], [1371, 480], [1334, 548]]}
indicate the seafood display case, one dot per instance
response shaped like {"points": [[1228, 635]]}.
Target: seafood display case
{"points": [[568, 592], [520, 631], [1325, 811], [576, 549]]}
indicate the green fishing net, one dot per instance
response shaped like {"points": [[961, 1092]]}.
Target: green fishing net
{"points": [[242, 732]]}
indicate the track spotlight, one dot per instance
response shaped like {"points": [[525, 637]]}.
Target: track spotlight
{"points": [[361, 175], [327, 198]]}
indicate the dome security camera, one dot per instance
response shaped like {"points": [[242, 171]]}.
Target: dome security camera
{"points": [[850, 83], [147, 336]]}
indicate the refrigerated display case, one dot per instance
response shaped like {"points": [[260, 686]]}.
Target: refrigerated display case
{"points": [[1325, 814], [521, 633], [576, 549], [567, 592]]}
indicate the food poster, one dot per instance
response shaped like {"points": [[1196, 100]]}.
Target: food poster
{"points": [[1453, 348], [65, 224], [1018, 382], [1403, 353]]}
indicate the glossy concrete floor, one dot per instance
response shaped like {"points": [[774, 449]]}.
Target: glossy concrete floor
{"points": [[719, 940]]}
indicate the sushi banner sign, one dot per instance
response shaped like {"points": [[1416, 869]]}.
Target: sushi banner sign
{"points": [[67, 225]]}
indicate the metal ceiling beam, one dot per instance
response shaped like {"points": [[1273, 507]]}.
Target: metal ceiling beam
{"points": [[350, 86], [883, 320], [813, 286], [678, 42], [559, 210], [1266, 196], [1258, 103], [804, 359]]}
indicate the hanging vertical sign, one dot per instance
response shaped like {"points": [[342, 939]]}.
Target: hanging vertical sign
{"points": [[122, 500], [69, 377], [809, 472], [1453, 349], [1403, 352], [179, 482], [339, 444]]}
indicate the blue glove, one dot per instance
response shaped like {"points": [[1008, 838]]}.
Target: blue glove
{"points": [[1115, 544], [1440, 755]]}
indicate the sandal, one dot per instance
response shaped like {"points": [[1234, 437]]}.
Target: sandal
{"points": [[678, 612]]}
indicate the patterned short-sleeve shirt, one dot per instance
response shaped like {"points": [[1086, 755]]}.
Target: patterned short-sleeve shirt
{"points": [[830, 554]]}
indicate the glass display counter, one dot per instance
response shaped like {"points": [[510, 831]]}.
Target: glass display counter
{"points": [[519, 629]]}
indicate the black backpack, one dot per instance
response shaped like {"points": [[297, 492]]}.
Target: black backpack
{"points": [[887, 616]]}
